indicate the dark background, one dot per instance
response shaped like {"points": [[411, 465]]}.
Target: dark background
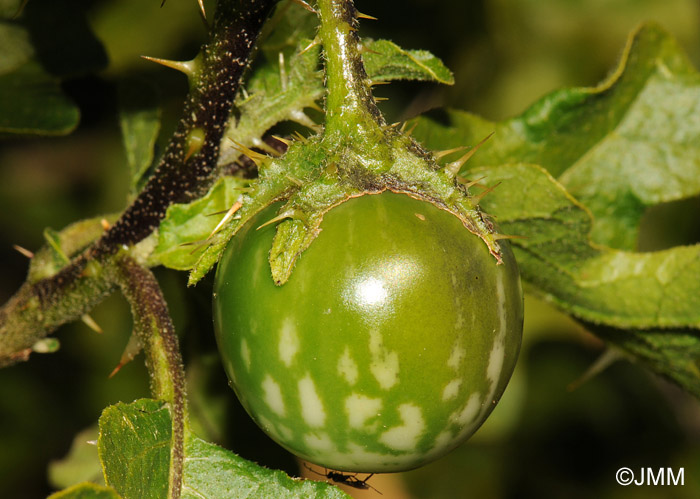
{"points": [[543, 440]]}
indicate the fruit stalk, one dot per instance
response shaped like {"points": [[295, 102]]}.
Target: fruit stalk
{"points": [[350, 106], [156, 333]]}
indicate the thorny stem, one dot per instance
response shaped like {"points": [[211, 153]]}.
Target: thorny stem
{"points": [[350, 107], [40, 307], [184, 173], [154, 328]]}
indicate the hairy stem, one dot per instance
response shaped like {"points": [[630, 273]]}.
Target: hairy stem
{"points": [[185, 172], [156, 333], [350, 107], [188, 166]]}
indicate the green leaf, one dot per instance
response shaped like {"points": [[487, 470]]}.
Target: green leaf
{"points": [[289, 78], [186, 227], [32, 103], [139, 118], [646, 303], [386, 61], [86, 491], [62, 37], [9, 9], [134, 447], [81, 464], [213, 472], [627, 144]]}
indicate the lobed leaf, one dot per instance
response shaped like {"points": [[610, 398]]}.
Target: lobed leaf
{"points": [[81, 464], [139, 119], [86, 491], [646, 303], [213, 472], [135, 452], [386, 61], [187, 227], [629, 143], [32, 103], [289, 79], [134, 447]]}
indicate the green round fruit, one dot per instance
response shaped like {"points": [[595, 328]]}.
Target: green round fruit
{"points": [[388, 346]]}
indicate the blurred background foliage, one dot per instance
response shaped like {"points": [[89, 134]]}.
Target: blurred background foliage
{"points": [[543, 440]]}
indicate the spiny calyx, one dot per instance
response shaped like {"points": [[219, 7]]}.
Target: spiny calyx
{"points": [[344, 169]]}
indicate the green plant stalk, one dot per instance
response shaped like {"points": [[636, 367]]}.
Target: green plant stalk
{"points": [[186, 170], [156, 333], [351, 110]]}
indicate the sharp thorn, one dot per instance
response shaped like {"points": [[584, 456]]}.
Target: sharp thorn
{"points": [[410, 130], [187, 67], [441, 154], [281, 216], [305, 6], [498, 237], [23, 251], [284, 141], [453, 168], [314, 42], [299, 137], [605, 360], [105, 224], [133, 347], [90, 322], [300, 117], [381, 99], [201, 8], [314, 106], [261, 144], [378, 82], [254, 156], [231, 211], [366, 50], [360, 15], [482, 195], [470, 183]]}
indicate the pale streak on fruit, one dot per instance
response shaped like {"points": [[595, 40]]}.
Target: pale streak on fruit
{"points": [[467, 414], [285, 432], [319, 442], [359, 409], [245, 354], [347, 368], [273, 395], [358, 454], [451, 390], [497, 356], [457, 355], [311, 405], [289, 342], [405, 437], [385, 364]]}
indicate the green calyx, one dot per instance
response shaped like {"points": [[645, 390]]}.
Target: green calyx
{"points": [[355, 153], [360, 154]]}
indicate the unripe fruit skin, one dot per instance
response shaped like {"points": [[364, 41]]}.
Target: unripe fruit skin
{"points": [[389, 345]]}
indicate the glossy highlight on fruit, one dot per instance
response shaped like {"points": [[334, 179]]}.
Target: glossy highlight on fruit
{"points": [[388, 346]]}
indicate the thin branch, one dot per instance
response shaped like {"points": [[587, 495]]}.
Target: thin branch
{"points": [[40, 307], [155, 330]]}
